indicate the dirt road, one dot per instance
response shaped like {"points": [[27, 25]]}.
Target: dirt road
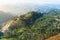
{"points": [[7, 25], [56, 37]]}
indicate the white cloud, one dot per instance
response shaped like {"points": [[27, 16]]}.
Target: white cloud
{"points": [[40, 1], [7, 2], [15, 6]]}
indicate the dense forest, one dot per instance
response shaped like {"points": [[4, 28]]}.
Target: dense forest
{"points": [[33, 26]]}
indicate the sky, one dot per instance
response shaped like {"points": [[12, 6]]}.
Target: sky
{"points": [[5, 2], [15, 6]]}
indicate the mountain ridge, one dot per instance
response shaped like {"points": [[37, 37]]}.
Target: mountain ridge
{"points": [[33, 26]]}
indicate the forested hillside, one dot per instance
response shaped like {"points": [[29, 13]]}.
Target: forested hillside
{"points": [[33, 26]]}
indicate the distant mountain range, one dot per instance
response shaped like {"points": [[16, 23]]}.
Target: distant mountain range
{"points": [[4, 17], [24, 8], [45, 8]]}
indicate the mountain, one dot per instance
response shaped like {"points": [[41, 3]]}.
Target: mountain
{"points": [[4, 17], [48, 7], [32, 26]]}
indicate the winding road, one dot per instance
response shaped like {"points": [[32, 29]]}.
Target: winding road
{"points": [[7, 25]]}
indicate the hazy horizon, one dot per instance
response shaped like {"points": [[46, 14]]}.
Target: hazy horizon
{"points": [[22, 6]]}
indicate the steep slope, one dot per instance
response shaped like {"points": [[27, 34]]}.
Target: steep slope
{"points": [[32, 26], [24, 21]]}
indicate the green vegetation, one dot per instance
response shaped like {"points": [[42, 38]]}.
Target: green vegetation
{"points": [[33, 26]]}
